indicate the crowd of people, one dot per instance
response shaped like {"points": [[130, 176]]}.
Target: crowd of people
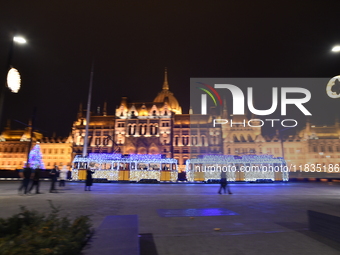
{"points": [[31, 178], [27, 174]]}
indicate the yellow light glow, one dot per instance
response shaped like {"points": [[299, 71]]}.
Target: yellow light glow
{"points": [[13, 80]]}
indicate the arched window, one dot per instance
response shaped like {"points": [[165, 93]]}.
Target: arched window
{"points": [[242, 139], [176, 140], [235, 139], [133, 129], [203, 140], [97, 142], [185, 140], [153, 129], [194, 140]]}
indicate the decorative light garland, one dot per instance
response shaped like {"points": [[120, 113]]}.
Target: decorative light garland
{"points": [[140, 166], [104, 156], [254, 167]]}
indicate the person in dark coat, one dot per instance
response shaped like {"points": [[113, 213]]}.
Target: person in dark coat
{"points": [[36, 181], [54, 177], [26, 174], [89, 180], [224, 183]]}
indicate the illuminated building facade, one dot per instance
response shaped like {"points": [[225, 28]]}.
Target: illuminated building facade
{"points": [[160, 127], [14, 149]]}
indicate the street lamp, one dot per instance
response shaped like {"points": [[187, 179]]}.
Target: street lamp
{"points": [[336, 48], [13, 79], [19, 39]]}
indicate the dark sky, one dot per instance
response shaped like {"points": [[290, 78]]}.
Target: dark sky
{"points": [[132, 41]]}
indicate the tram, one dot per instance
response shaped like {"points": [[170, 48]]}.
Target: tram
{"points": [[249, 168], [130, 167]]}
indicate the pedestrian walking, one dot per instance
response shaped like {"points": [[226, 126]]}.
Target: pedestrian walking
{"points": [[63, 176], [26, 174], [224, 183], [54, 177], [36, 181], [89, 180]]}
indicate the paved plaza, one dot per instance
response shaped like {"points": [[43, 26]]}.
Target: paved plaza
{"points": [[266, 218]]}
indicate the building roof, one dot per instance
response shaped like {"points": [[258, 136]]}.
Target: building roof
{"points": [[167, 96]]}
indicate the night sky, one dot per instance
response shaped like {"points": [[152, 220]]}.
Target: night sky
{"points": [[131, 42]]}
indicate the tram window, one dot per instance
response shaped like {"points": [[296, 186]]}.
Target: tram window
{"points": [[142, 166], [154, 166], [108, 165]]}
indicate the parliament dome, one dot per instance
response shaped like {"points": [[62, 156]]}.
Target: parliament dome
{"points": [[166, 96]]}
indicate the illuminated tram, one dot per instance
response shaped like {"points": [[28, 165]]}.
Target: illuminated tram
{"points": [[131, 167], [250, 168]]}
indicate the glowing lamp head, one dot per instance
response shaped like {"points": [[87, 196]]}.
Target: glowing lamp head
{"points": [[336, 48], [13, 80], [19, 39]]}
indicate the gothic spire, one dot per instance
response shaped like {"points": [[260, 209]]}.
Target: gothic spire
{"points": [[165, 83], [105, 109], [225, 114]]}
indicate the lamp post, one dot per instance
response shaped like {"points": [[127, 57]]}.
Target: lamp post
{"points": [[12, 75]]}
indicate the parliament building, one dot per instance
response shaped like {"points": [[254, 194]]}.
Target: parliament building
{"points": [[160, 127]]}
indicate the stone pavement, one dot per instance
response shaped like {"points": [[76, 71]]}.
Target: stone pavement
{"points": [[271, 218]]}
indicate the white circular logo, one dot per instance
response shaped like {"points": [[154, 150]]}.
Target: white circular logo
{"points": [[335, 81]]}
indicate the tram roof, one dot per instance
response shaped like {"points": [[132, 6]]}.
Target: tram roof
{"points": [[223, 159], [115, 157]]}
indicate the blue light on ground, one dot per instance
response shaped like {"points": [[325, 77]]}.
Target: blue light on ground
{"points": [[195, 212]]}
